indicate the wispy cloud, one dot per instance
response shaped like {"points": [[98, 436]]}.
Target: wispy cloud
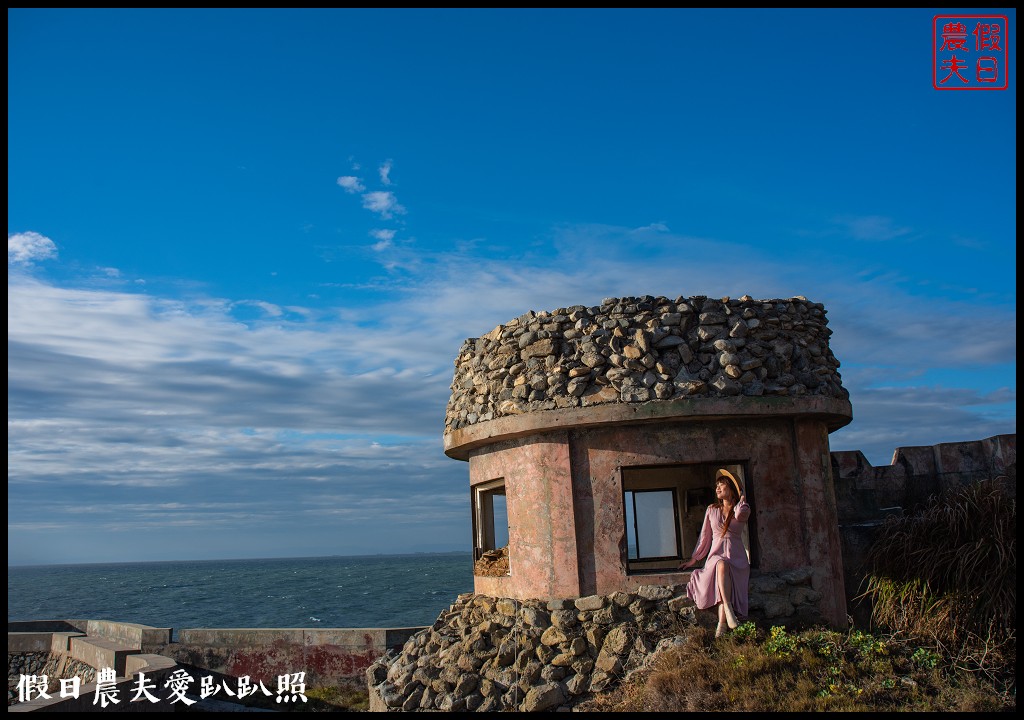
{"points": [[384, 203], [384, 238], [888, 417], [351, 184], [28, 248], [182, 402], [872, 228]]}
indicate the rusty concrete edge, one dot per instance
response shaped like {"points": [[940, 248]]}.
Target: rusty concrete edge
{"points": [[255, 637], [834, 412]]}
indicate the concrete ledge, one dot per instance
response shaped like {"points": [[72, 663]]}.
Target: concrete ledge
{"points": [[100, 653], [61, 641], [834, 412], [307, 637], [43, 626], [28, 642], [148, 663], [131, 635]]}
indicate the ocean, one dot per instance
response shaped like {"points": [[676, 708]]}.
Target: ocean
{"points": [[365, 591]]}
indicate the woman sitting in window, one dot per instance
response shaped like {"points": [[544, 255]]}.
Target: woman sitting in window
{"points": [[725, 576]]}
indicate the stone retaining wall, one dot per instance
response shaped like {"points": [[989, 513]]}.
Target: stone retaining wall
{"points": [[633, 350], [487, 653], [54, 666]]}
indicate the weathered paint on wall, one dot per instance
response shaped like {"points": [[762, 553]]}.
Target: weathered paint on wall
{"points": [[267, 653], [565, 501]]}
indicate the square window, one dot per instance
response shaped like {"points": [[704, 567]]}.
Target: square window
{"points": [[663, 513]]}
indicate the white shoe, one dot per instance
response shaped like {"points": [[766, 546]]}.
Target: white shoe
{"points": [[729, 616]]}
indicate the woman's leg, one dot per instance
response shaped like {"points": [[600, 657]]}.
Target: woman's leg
{"points": [[724, 591], [722, 624]]}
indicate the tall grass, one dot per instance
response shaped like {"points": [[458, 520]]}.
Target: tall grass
{"points": [[947, 577]]}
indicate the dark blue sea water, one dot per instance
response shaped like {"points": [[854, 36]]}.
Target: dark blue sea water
{"points": [[371, 591]]}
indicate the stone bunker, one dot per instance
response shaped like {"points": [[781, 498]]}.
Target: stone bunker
{"points": [[593, 435]]}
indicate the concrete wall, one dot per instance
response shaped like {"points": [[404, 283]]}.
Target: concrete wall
{"points": [[326, 655], [915, 474], [867, 494], [567, 535]]}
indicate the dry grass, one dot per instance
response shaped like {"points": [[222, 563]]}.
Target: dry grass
{"points": [[812, 671], [942, 590]]}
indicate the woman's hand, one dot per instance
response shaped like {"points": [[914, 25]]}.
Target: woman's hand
{"points": [[688, 564], [743, 499]]}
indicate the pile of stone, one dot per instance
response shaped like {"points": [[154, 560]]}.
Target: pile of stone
{"points": [[492, 563], [501, 654], [640, 349]]}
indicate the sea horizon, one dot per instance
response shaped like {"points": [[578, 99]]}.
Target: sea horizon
{"points": [[381, 590], [239, 559]]}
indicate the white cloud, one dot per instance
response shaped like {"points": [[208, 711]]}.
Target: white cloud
{"points": [[351, 184], [385, 172], [184, 403], [384, 203], [384, 238], [887, 417], [29, 247], [657, 227]]}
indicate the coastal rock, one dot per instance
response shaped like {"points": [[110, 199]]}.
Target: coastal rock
{"points": [[485, 654]]}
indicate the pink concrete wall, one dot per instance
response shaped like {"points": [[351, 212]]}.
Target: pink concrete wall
{"points": [[564, 494], [541, 536]]}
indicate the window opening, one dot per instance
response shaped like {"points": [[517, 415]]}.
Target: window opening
{"points": [[490, 529], [655, 523], [663, 513]]}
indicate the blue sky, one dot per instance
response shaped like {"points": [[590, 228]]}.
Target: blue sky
{"points": [[244, 247]]}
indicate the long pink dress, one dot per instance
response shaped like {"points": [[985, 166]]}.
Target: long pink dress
{"points": [[703, 585]]}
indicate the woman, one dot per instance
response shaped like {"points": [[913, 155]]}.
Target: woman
{"points": [[723, 579]]}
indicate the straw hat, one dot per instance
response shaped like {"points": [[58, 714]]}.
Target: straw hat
{"points": [[723, 473]]}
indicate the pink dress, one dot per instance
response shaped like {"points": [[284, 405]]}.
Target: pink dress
{"points": [[703, 585]]}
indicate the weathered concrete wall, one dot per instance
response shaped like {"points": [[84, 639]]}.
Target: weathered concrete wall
{"points": [[132, 635], [915, 474], [567, 536], [325, 655]]}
